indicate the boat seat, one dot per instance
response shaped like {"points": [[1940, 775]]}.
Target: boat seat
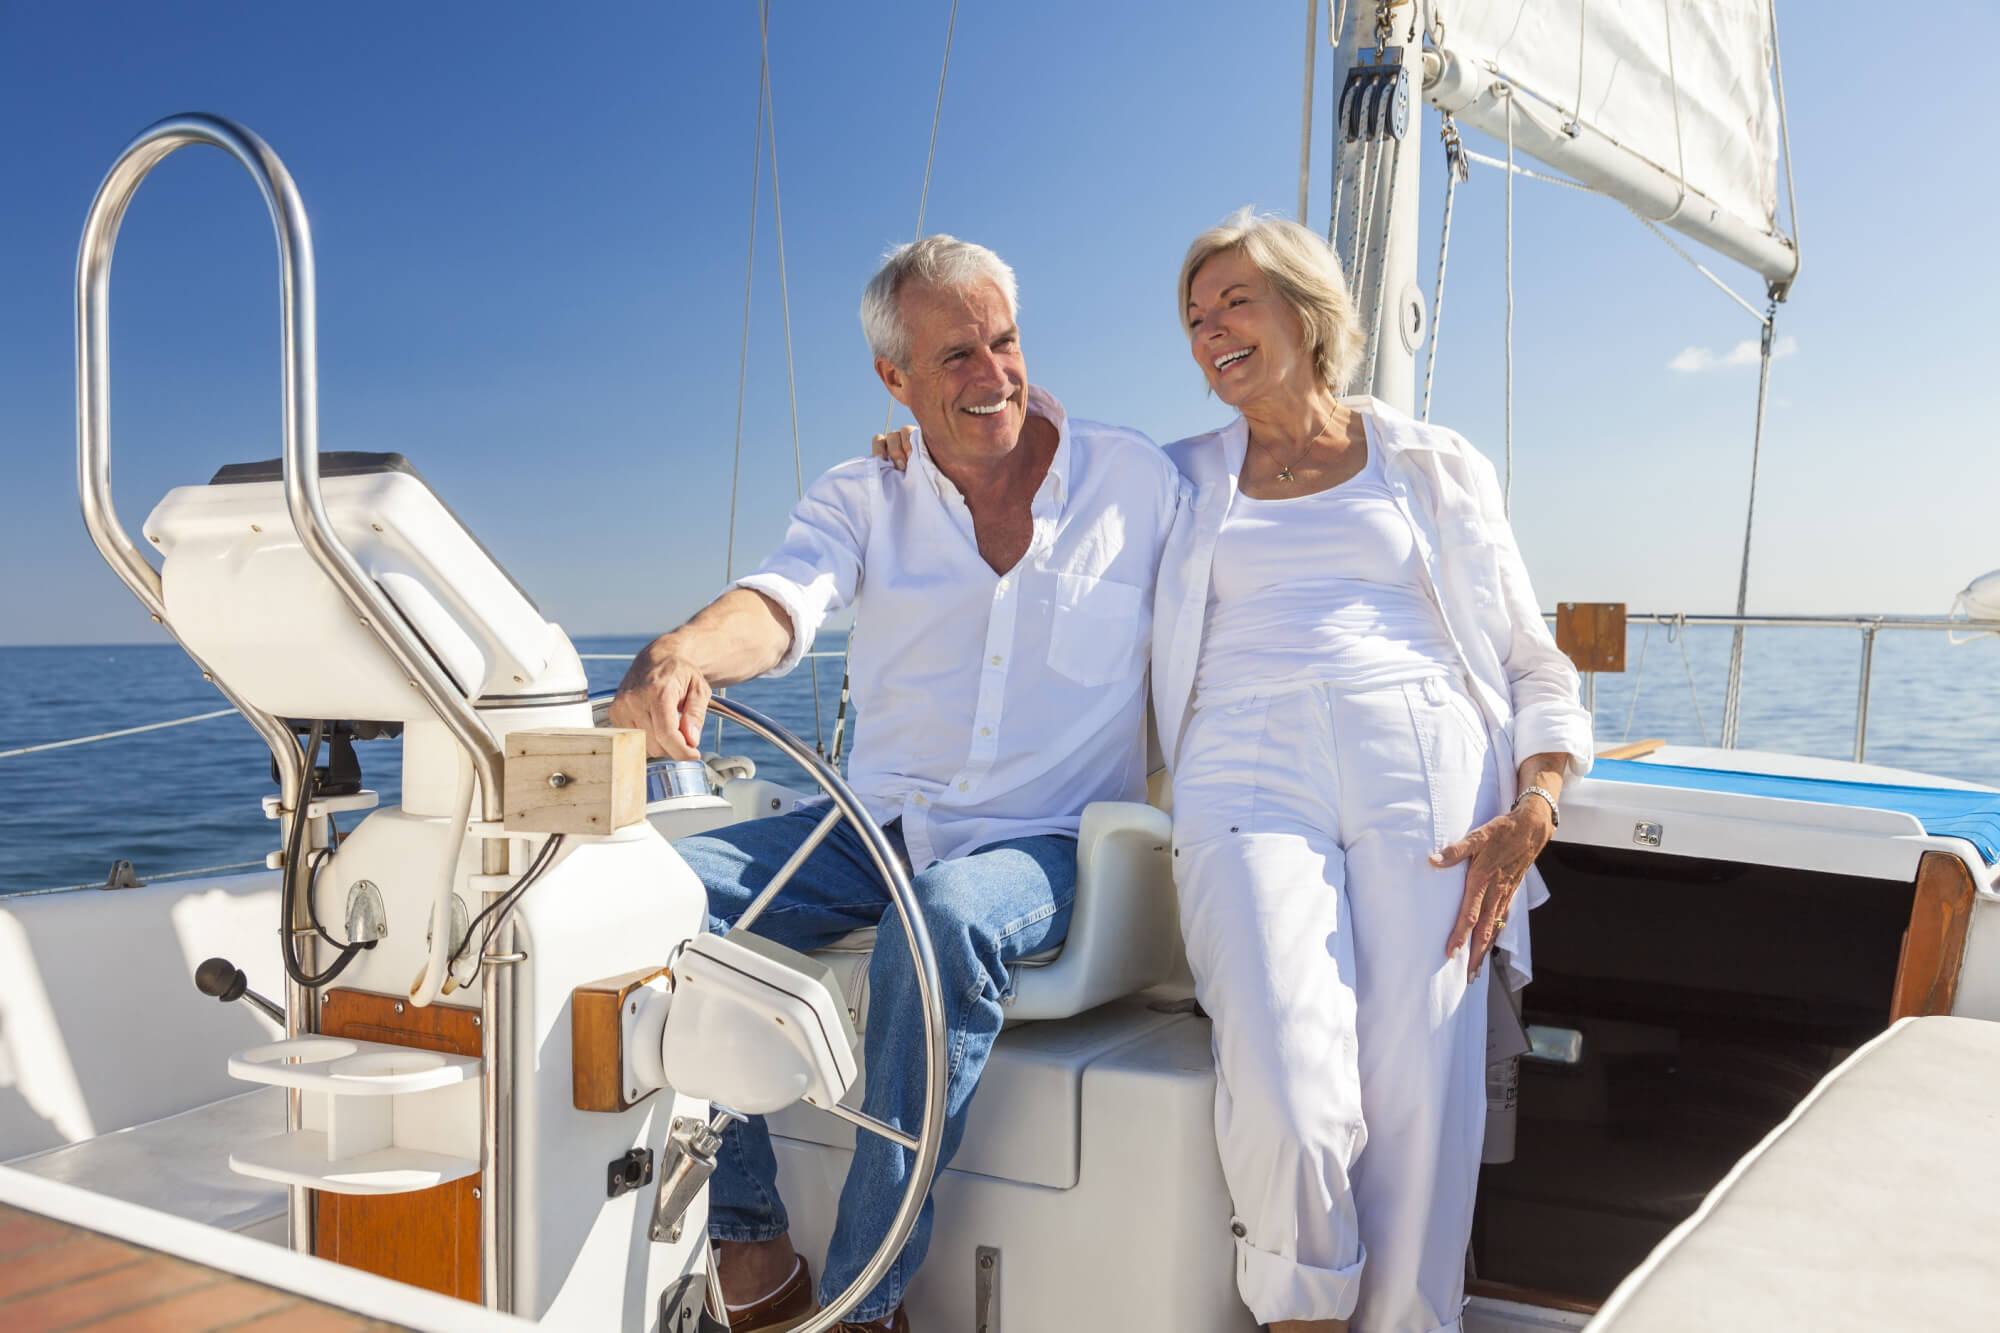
{"points": [[1873, 1206], [1124, 932]]}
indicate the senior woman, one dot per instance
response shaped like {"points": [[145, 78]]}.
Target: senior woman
{"points": [[1368, 726]]}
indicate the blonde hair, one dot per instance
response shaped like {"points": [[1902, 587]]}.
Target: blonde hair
{"points": [[1303, 270]]}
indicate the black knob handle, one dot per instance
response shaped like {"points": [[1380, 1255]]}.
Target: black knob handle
{"points": [[222, 979]]}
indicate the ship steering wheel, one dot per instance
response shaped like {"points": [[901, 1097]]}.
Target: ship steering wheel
{"points": [[928, 1141]]}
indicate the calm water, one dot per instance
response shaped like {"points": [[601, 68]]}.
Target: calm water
{"points": [[188, 797]]}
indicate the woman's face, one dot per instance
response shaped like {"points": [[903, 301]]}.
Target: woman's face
{"points": [[1246, 338]]}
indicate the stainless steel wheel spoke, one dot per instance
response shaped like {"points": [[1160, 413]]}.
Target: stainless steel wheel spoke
{"points": [[789, 868]]}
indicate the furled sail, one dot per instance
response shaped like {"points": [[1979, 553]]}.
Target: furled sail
{"points": [[1680, 89]]}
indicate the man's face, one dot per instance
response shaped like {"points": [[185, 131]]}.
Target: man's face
{"points": [[966, 383]]}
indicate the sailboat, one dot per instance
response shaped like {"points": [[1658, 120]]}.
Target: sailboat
{"points": [[480, 1081]]}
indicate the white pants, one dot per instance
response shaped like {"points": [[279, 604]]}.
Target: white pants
{"points": [[1350, 1052]]}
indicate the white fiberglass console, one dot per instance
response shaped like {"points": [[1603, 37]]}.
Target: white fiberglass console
{"points": [[245, 596]]}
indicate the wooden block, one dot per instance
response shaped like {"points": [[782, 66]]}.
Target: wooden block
{"points": [[596, 1045], [427, 1238], [1592, 634], [1635, 750], [576, 780], [1934, 944]]}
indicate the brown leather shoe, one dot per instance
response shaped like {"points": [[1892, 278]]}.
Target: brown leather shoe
{"points": [[784, 1309], [899, 1322]]}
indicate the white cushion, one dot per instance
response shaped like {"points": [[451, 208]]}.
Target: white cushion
{"points": [[1873, 1207]]}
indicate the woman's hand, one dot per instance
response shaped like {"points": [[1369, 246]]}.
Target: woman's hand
{"points": [[895, 446], [1499, 854]]}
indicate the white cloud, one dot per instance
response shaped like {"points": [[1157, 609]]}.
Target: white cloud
{"points": [[1693, 360]]}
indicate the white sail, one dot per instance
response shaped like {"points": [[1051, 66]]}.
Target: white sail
{"points": [[1685, 85]]}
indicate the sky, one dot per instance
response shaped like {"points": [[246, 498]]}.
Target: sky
{"points": [[532, 225]]}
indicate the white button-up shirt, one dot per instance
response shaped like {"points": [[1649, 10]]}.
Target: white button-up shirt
{"points": [[990, 706]]}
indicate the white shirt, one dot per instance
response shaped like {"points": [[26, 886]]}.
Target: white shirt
{"points": [[990, 706], [1321, 587], [1450, 500]]}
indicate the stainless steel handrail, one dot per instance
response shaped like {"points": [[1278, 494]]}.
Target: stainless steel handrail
{"points": [[298, 326], [100, 515], [1868, 625], [930, 1135]]}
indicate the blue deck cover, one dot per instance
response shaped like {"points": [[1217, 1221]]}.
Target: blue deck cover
{"points": [[1944, 812]]}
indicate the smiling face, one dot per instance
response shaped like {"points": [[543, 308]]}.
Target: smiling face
{"points": [[966, 382], [1248, 341]]}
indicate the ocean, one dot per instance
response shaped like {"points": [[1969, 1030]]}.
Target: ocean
{"points": [[187, 798]]}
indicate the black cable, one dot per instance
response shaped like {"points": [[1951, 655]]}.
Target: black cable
{"points": [[543, 860], [503, 904], [294, 871]]}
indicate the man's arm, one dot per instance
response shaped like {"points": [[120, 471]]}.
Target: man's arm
{"points": [[738, 636]]}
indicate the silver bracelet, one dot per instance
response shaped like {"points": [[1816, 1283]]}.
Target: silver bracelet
{"points": [[1555, 815]]}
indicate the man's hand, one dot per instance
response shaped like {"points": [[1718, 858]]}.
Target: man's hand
{"points": [[666, 696]]}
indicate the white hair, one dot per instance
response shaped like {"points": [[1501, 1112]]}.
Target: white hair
{"points": [[938, 259]]}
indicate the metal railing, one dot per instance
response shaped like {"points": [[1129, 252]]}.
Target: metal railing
{"points": [[1868, 626]]}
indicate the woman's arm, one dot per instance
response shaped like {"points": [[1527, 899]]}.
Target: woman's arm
{"points": [[1542, 683]]}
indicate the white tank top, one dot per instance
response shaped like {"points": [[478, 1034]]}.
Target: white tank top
{"points": [[1321, 587]]}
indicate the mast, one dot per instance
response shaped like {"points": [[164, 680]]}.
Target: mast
{"points": [[1378, 160]]}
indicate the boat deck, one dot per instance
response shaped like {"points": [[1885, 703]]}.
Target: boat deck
{"points": [[57, 1276]]}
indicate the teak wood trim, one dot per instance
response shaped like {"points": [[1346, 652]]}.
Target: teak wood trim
{"points": [[1934, 943], [1547, 1300], [55, 1275], [1592, 634], [427, 1238], [597, 1046], [1636, 750]]}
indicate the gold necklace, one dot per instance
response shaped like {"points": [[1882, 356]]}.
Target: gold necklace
{"points": [[1285, 472]]}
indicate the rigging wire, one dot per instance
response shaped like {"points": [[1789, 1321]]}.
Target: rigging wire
{"points": [[1455, 172], [1638, 675], [743, 357], [1306, 110], [1500, 164], [889, 416], [113, 735], [1678, 630], [170, 874], [1507, 486], [1730, 710], [785, 300]]}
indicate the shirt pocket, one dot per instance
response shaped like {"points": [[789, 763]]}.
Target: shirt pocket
{"points": [[1471, 558], [1094, 630]]}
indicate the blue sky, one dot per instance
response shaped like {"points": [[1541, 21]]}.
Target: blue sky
{"points": [[532, 224]]}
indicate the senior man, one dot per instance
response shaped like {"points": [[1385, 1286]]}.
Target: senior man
{"points": [[1004, 587]]}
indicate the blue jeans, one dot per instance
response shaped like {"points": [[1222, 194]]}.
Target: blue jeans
{"points": [[984, 911]]}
